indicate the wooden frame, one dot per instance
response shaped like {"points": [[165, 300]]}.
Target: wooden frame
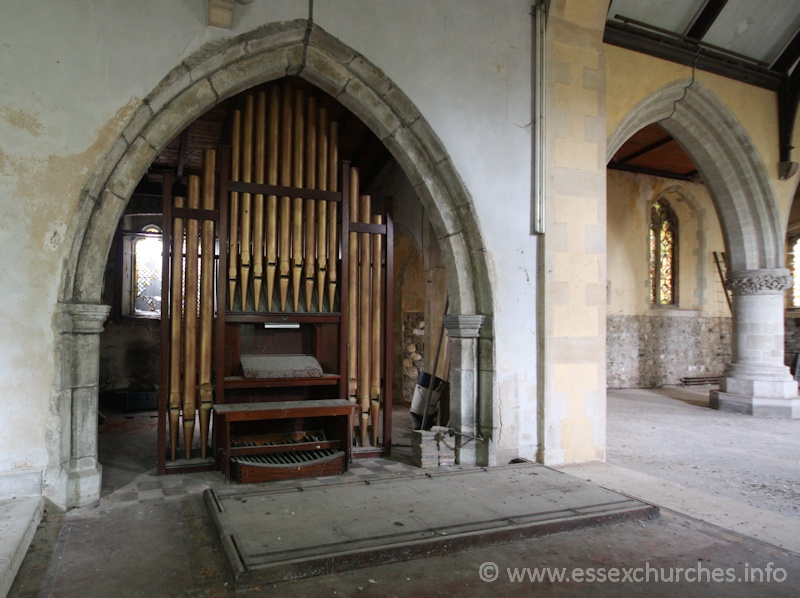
{"points": [[226, 415], [233, 391]]}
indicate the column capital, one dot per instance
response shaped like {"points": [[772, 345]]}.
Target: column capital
{"points": [[83, 318], [764, 281], [464, 325]]}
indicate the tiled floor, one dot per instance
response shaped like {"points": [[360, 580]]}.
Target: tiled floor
{"points": [[152, 536], [128, 455]]}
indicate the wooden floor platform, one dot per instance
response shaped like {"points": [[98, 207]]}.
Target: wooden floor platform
{"points": [[276, 532]]}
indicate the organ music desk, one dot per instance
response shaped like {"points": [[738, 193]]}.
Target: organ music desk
{"points": [[290, 452]]}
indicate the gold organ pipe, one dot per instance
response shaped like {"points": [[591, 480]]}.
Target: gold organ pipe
{"points": [[247, 174], [333, 185], [190, 320], [206, 298], [297, 202], [176, 326], [377, 295], [286, 203], [364, 323], [272, 201], [258, 201], [322, 208], [233, 216], [352, 297], [309, 259]]}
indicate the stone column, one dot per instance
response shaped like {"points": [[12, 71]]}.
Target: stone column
{"points": [[463, 331], [81, 325], [757, 382]]}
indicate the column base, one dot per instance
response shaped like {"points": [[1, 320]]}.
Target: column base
{"points": [[465, 454], [779, 408], [83, 486]]}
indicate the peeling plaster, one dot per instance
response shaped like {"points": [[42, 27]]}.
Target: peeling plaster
{"points": [[22, 120], [41, 194]]}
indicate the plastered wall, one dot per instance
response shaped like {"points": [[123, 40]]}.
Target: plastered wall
{"points": [[72, 74], [632, 76], [699, 289], [649, 346]]}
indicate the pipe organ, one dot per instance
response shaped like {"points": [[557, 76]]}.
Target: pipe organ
{"points": [[278, 273]]}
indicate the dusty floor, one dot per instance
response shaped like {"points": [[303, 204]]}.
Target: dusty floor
{"points": [[151, 536], [672, 434]]}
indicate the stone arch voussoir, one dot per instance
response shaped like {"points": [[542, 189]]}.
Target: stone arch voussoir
{"points": [[723, 153], [216, 72], [227, 67]]}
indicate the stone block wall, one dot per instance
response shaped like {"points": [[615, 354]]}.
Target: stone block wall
{"points": [[413, 351], [651, 351]]}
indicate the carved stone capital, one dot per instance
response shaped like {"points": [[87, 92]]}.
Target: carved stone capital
{"points": [[83, 318], [464, 325], [767, 281]]}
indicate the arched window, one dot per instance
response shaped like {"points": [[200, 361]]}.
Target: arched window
{"points": [[663, 254], [794, 265], [147, 272]]}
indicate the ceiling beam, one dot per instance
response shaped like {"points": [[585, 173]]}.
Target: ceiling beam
{"points": [[644, 150], [690, 54], [789, 56], [691, 178], [706, 19], [788, 98]]}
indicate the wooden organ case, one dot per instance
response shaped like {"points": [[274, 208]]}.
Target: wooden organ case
{"points": [[278, 280]]}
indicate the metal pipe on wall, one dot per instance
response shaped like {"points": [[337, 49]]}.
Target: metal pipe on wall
{"points": [[539, 11]]}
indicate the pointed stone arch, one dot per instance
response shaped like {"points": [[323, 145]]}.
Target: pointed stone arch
{"points": [[216, 72], [756, 381], [731, 167]]}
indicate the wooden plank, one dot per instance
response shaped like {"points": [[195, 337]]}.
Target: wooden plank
{"points": [[332, 465], [238, 382], [280, 409], [283, 190], [284, 318]]}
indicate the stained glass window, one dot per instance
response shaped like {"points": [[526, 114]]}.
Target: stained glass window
{"points": [[795, 267], [663, 254], [147, 272]]}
